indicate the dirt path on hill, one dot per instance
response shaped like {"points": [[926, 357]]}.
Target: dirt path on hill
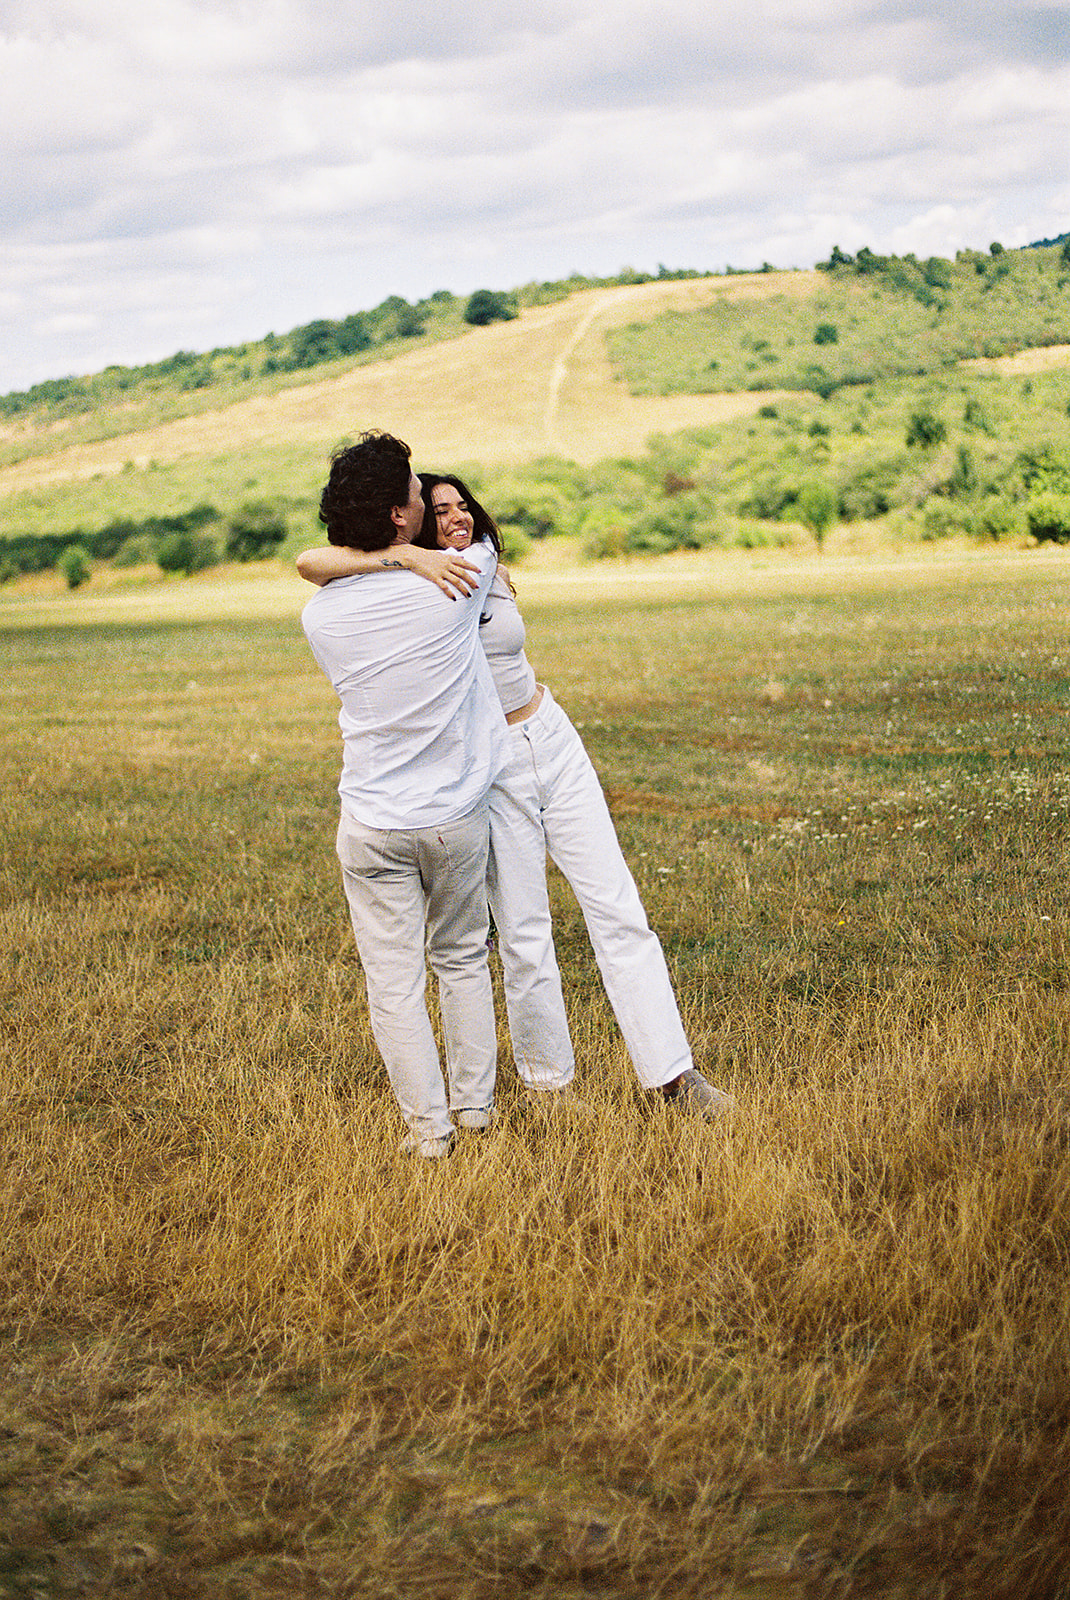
{"points": [[502, 394]]}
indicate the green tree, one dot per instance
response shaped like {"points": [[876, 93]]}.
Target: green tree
{"points": [[187, 552], [489, 305], [826, 333], [255, 531], [925, 430], [817, 508], [1048, 518], [410, 322], [74, 565], [937, 272], [316, 342], [353, 334], [838, 258]]}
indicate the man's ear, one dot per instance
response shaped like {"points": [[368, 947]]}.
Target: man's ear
{"points": [[397, 516]]}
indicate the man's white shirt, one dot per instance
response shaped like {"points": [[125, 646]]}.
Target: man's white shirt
{"points": [[422, 727]]}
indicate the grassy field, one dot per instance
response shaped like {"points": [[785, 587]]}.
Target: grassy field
{"points": [[819, 1350]]}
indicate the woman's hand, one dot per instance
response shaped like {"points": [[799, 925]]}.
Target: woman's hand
{"points": [[447, 569]]}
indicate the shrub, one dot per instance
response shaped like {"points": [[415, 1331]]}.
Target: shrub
{"points": [[537, 509], [605, 531], [187, 552], [996, 520], [941, 520], [1043, 468], [489, 305], [768, 499], [136, 551], [686, 521], [872, 488], [1047, 516], [748, 535], [975, 416], [515, 544], [255, 531], [963, 478], [821, 382], [826, 333], [817, 508], [74, 565], [925, 430]]}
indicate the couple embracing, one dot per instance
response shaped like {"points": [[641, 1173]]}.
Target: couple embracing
{"points": [[460, 773]]}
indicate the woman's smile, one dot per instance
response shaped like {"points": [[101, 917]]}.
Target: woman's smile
{"points": [[453, 520]]}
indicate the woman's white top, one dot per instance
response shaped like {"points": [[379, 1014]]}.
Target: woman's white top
{"points": [[501, 629]]}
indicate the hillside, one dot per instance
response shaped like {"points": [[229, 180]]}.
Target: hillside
{"points": [[501, 394], [879, 396]]}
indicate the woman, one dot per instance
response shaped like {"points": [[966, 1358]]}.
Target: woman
{"points": [[548, 800]]}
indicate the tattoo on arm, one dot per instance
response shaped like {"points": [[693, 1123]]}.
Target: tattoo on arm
{"points": [[387, 562]]}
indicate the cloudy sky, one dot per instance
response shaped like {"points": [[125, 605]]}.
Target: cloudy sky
{"points": [[181, 174]]}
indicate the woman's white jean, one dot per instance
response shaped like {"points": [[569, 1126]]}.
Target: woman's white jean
{"points": [[410, 890], [549, 801]]}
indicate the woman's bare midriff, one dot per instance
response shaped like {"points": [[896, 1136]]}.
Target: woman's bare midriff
{"points": [[522, 712]]}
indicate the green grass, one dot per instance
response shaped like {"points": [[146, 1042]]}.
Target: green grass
{"points": [[819, 1349], [882, 330]]}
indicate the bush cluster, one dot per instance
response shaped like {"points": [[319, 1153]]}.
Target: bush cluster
{"points": [[490, 305], [187, 542]]}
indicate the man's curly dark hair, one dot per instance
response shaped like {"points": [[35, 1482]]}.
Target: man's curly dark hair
{"points": [[367, 480]]}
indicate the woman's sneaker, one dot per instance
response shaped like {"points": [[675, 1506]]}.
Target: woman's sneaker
{"points": [[691, 1092], [476, 1118], [427, 1145]]}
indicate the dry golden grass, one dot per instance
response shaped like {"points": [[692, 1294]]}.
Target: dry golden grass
{"points": [[820, 1349]]}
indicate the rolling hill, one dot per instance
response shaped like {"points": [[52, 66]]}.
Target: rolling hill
{"points": [[501, 394]]}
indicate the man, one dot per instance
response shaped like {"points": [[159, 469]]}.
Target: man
{"points": [[423, 738]]}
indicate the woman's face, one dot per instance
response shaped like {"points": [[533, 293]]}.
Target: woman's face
{"points": [[453, 520]]}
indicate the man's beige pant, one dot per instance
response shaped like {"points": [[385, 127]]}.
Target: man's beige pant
{"points": [[411, 891]]}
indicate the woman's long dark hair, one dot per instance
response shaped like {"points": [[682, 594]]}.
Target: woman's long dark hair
{"points": [[484, 530]]}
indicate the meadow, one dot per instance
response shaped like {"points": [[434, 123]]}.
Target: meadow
{"points": [[818, 1349]]}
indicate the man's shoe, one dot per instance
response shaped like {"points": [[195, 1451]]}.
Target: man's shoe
{"points": [[691, 1092], [477, 1119], [427, 1145]]}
